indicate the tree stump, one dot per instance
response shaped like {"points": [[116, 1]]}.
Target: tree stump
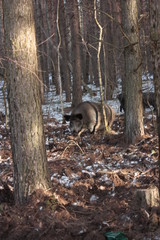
{"points": [[147, 198]]}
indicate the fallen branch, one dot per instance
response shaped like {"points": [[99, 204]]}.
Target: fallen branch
{"points": [[72, 143]]}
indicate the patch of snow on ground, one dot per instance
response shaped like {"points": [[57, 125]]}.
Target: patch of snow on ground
{"points": [[52, 106]]}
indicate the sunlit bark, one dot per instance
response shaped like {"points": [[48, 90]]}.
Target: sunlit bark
{"points": [[133, 73], [27, 137]]}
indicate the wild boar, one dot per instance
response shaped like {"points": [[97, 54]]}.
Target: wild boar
{"points": [[122, 102], [147, 100], [89, 116]]}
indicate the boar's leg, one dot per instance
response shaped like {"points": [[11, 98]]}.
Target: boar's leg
{"points": [[122, 102], [91, 128], [79, 134], [110, 115]]}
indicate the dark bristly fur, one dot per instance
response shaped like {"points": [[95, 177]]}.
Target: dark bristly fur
{"points": [[147, 100]]}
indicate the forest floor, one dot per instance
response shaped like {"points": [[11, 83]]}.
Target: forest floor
{"points": [[94, 184]]}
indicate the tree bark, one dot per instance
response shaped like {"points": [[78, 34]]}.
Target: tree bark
{"points": [[155, 48], [1, 36], [42, 47], [76, 56], [64, 52], [147, 198], [133, 73], [27, 137]]}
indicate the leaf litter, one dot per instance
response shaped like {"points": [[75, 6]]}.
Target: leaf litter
{"points": [[94, 182]]}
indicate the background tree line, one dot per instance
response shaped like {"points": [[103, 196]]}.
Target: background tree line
{"points": [[44, 38], [79, 41]]}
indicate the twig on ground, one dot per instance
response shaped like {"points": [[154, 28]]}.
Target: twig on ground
{"points": [[71, 143]]}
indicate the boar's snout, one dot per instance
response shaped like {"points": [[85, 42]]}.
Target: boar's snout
{"points": [[76, 123]]}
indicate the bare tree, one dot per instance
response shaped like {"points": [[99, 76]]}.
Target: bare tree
{"points": [[27, 137], [1, 41], [155, 47], [133, 73], [88, 29], [64, 52], [109, 46], [76, 55], [41, 44]]}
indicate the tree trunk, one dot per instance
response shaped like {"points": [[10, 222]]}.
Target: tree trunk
{"points": [[155, 47], [90, 63], [76, 57], [1, 36], [106, 71], [85, 15], [133, 73], [42, 47], [27, 137], [109, 37], [64, 52]]}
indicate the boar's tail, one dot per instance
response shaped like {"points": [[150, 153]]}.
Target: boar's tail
{"points": [[96, 111]]}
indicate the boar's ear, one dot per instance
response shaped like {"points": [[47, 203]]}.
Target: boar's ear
{"points": [[79, 116], [67, 117]]}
